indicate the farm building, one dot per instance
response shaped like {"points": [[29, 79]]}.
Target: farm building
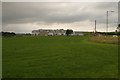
{"points": [[77, 33], [49, 32]]}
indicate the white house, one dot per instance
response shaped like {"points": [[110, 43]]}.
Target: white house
{"points": [[77, 33], [49, 32]]}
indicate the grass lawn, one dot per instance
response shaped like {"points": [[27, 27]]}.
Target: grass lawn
{"points": [[58, 56], [0, 57]]}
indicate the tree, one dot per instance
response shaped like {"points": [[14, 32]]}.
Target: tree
{"points": [[118, 28], [68, 32], [117, 31]]}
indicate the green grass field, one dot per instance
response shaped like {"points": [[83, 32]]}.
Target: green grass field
{"points": [[0, 57], [58, 57]]}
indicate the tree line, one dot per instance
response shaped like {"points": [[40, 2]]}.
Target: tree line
{"points": [[11, 34], [8, 34]]}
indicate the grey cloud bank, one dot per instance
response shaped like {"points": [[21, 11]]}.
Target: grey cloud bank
{"points": [[60, 0], [26, 16]]}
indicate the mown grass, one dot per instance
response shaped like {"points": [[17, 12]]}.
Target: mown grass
{"points": [[0, 57], [58, 57]]}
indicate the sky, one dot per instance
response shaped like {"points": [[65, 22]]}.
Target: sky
{"points": [[23, 17], [60, 0]]}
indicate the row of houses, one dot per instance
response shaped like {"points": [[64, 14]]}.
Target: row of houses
{"points": [[51, 32]]}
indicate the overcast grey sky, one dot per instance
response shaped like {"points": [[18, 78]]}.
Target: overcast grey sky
{"points": [[79, 16]]}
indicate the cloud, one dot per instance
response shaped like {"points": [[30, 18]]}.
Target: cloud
{"points": [[0, 16], [60, 0], [119, 12], [55, 13]]}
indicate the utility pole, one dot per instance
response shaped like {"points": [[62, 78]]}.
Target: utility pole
{"points": [[95, 26], [107, 21], [94, 29]]}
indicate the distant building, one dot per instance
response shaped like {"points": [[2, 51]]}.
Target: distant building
{"points": [[49, 32], [55, 32], [77, 33]]}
